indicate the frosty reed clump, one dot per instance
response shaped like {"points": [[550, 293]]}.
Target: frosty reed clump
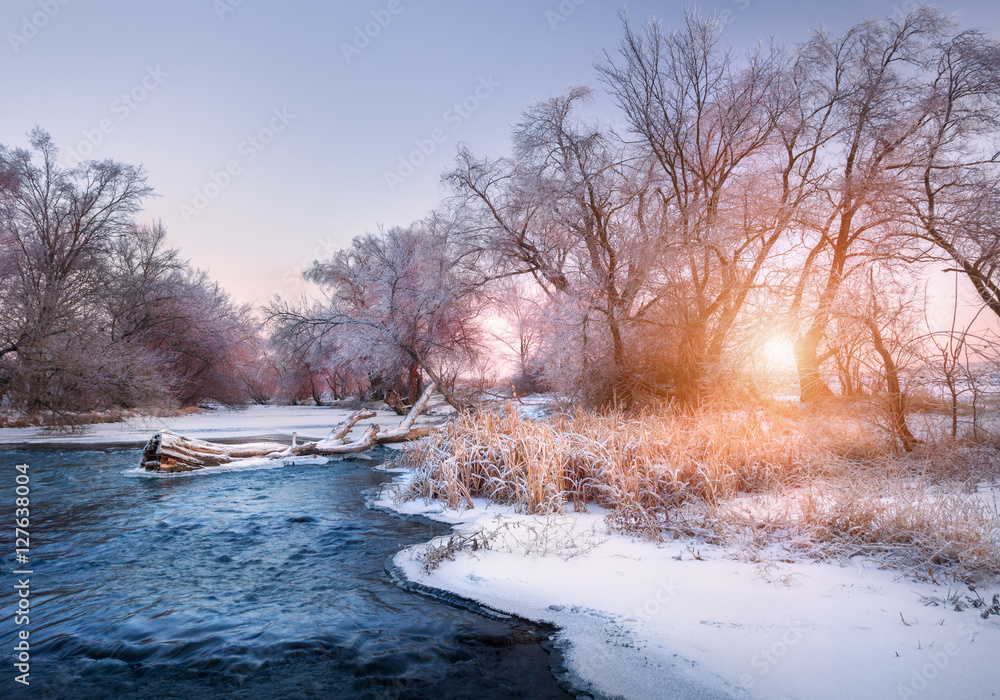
{"points": [[653, 461], [823, 485]]}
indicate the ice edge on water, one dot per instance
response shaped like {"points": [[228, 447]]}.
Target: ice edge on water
{"points": [[245, 465]]}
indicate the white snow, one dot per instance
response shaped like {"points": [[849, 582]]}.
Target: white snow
{"points": [[245, 465], [311, 422], [643, 620]]}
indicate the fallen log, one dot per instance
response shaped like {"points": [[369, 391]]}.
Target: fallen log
{"points": [[405, 431], [340, 431], [169, 452], [412, 434], [334, 443], [327, 446]]}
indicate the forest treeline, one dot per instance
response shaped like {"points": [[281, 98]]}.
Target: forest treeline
{"points": [[800, 191], [96, 312]]}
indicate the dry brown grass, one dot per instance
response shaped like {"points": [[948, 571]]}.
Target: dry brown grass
{"points": [[607, 459], [928, 531], [829, 481]]}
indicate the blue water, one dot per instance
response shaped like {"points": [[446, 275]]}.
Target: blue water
{"points": [[267, 583]]}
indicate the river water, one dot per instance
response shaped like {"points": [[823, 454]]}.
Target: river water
{"points": [[266, 583]]}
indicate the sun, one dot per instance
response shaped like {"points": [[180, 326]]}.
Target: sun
{"points": [[777, 353]]}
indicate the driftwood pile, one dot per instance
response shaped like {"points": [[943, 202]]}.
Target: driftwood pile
{"points": [[169, 452]]}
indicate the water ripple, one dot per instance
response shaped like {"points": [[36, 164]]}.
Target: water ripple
{"points": [[260, 583]]}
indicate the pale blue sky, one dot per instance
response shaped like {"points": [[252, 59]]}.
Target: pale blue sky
{"points": [[182, 86]]}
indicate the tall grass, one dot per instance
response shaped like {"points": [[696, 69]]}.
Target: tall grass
{"points": [[661, 472], [904, 522], [607, 459]]}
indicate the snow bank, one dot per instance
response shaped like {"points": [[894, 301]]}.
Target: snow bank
{"points": [[640, 620], [311, 423]]}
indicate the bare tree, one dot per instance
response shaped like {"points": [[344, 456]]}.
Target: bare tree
{"points": [[954, 354], [871, 111], [211, 341], [523, 314], [710, 127], [955, 174], [152, 302], [570, 209], [57, 227], [889, 334], [95, 310], [404, 296]]}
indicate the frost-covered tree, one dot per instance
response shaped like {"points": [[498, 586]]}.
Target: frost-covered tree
{"points": [[400, 299], [708, 123], [570, 209], [95, 311], [954, 172], [867, 97], [58, 225]]}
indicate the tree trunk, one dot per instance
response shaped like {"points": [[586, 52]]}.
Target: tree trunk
{"points": [[416, 383], [897, 402], [688, 374], [812, 388]]}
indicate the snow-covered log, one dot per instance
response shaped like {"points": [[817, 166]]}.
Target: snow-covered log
{"points": [[328, 446], [335, 443], [169, 452], [406, 431], [412, 434]]}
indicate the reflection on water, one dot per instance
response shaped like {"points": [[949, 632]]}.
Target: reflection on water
{"points": [[268, 583]]}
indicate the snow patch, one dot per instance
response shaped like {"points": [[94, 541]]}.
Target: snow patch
{"points": [[645, 620]]}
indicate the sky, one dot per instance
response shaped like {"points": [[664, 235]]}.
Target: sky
{"points": [[273, 133]]}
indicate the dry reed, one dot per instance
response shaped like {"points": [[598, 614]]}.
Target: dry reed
{"points": [[662, 472]]}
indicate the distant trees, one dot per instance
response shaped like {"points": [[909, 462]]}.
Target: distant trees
{"points": [[397, 304], [521, 311], [94, 311]]}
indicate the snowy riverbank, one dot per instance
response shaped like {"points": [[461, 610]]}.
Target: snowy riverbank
{"points": [[277, 422], [641, 620]]}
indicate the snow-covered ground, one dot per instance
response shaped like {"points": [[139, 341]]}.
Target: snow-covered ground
{"points": [[641, 620], [311, 422]]}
